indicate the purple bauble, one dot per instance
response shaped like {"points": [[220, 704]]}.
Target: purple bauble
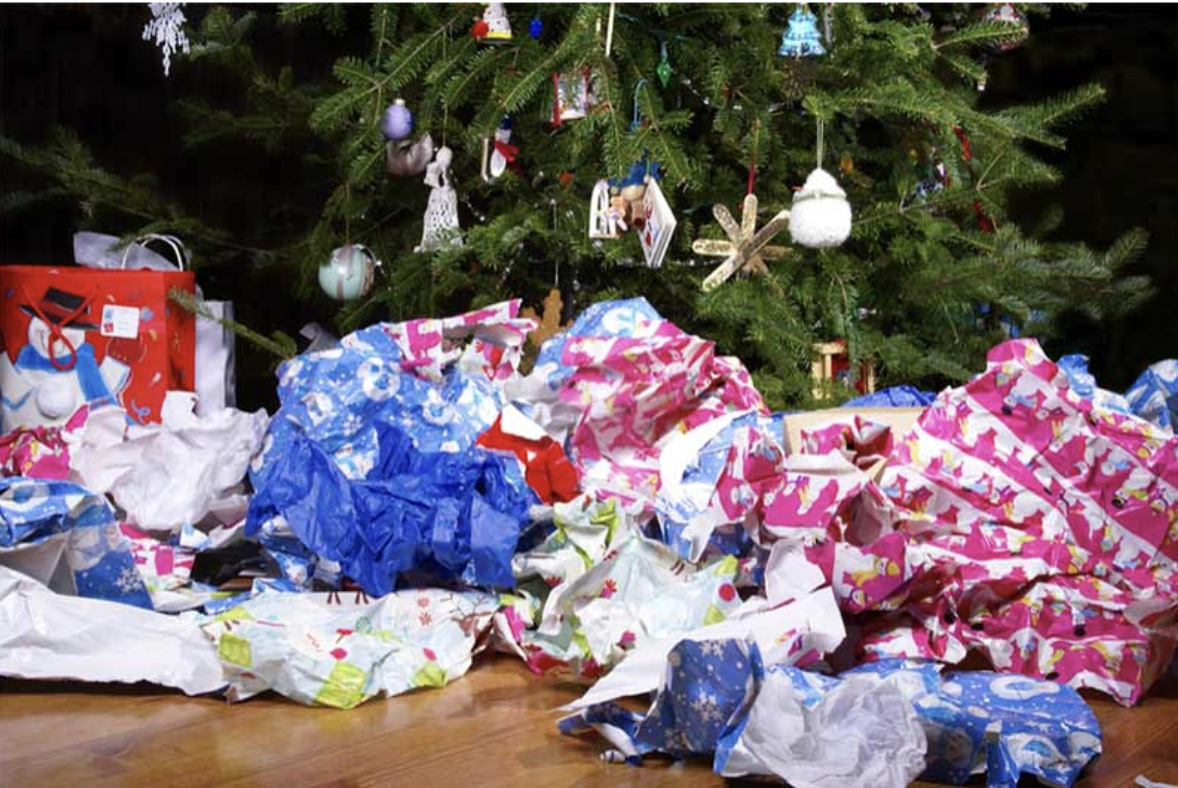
{"points": [[398, 121]]}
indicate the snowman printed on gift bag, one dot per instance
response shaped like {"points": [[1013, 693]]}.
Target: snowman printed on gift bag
{"points": [[57, 371]]}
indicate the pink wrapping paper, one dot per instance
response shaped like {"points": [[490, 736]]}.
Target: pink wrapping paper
{"points": [[40, 452], [635, 391]]}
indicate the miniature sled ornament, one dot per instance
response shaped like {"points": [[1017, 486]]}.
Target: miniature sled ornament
{"points": [[746, 248]]}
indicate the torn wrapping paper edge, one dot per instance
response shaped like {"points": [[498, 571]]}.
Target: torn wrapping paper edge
{"points": [[800, 630], [342, 648], [44, 561], [40, 452], [546, 468], [44, 635], [168, 475]]}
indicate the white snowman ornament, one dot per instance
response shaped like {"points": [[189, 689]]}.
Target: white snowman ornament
{"points": [[821, 216], [56, 372]]}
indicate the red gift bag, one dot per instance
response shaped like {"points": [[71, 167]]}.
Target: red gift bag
{"points": [[70, 336]]}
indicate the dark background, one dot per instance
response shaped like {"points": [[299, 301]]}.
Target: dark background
{"points": [[87, 68]]}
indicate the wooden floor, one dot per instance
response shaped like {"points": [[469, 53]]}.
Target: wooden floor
{"points": [[493, 727]]}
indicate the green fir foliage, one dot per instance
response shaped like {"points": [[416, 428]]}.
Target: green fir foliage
{"points": [[919, 287]]}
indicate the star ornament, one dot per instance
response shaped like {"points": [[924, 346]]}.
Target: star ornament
{"points": [[747, 248]]}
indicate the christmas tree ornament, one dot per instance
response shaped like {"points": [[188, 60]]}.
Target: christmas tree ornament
{"points": [[405, 159], [658, 224], [573, 96], [440, 227], [801, 37], [494, 27], [821, 216], [550, 320], [167, 28], [398, 121], [536, 28], [747, 248], [1006, 12], [350, 272], [607, 212], [663, 69], [497, 153]]}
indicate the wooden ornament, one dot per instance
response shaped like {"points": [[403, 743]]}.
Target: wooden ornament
{"points": [[549, 322], [747, 248]]}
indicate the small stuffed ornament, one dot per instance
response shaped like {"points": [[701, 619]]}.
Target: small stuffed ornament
{"points": [[494, 27], [441, 214], [821, 216], [1006, 12], [350, 272], [499, 153]]}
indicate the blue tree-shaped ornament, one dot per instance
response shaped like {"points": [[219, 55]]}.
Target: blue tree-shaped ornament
{"points": [[801, 38]]}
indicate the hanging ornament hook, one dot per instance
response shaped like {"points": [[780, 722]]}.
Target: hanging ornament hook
{"points": [[609, 30], [636, 122]]}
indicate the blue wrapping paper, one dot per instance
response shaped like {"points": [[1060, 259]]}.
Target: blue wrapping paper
{"points": [[444, 515], [894, 397], [1154, 395], [1008, 725], [97, 552]]}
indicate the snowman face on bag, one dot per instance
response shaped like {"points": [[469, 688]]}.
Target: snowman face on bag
{"points": [[40, 337]]}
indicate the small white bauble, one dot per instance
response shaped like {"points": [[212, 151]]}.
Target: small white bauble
{"points": [[350, 272], [820, 216], [54, 400]]}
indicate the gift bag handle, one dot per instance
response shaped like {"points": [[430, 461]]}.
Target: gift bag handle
{"points": [[55, 333], [174, 243]]}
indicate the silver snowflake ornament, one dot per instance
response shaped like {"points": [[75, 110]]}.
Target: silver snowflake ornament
{"points": [[167, 28]]}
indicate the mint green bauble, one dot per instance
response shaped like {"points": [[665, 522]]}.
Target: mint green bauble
{"points": [[350, 272]]}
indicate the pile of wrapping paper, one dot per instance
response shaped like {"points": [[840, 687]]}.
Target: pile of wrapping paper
{"points": [[629, 512]]}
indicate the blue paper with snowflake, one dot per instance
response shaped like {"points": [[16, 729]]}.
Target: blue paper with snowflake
{"points": [[97, 553]]}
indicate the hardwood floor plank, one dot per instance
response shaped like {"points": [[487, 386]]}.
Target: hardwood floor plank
{"points": [[496, 726]]}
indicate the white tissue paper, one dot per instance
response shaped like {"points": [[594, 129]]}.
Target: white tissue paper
{"points": [[864, 733], [44, 635], [168, 475]]}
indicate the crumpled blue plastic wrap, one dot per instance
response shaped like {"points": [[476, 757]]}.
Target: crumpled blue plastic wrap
{"points": [[1154, 395], [96, 551], [339, 397], [443, 515], [1012, 725], [895, 397]]}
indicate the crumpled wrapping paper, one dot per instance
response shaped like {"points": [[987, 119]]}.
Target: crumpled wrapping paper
{"points": [[1032, 527], [44, 635], [341, 649], [443, 515], [620, 380], [637, 593], [168, 475], [882, 724], [40, 452], [546, 468], [33, 511], [1154, 395], [416, 375]]}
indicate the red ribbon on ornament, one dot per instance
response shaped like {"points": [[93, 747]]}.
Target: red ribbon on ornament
{"points": [[509, 152]]}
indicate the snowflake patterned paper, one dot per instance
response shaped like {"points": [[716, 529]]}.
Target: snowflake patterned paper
{"points": [[97, 553]]}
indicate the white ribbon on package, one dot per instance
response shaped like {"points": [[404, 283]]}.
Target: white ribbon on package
{"points": [[172, 474], [44, 635]]}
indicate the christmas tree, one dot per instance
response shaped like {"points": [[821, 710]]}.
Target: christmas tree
{"points": [[537, 104]]}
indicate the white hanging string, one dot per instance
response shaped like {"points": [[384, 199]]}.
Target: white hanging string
{"points": [[609, 30], [821, 140]]}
